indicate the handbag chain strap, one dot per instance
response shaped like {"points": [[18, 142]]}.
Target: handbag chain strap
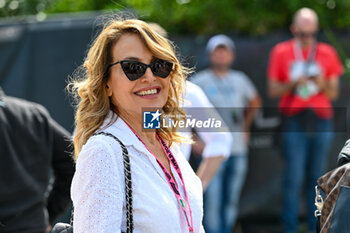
{"points": [[318, 202], [128, 183]]}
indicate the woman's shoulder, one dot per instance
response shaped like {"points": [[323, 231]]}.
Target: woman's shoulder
{"points": [[100, 162], [100, 147]]}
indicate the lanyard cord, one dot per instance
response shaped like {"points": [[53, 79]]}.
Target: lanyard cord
{"points": [[170, 179], [299, 55]]}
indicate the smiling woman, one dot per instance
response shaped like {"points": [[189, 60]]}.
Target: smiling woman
{"points": [[130, 67], [102, 66]]}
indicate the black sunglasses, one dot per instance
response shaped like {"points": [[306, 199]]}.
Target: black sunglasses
{"points": [[135, 69], [305, 34]]}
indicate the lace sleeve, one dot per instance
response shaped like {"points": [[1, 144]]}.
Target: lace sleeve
{"points": [[98, 188]]}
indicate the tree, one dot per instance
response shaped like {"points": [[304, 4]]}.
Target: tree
{"points": [[256, 17]]}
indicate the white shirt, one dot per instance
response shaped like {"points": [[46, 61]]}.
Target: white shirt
{"points": [[98, 187], [216, 143], [230, 95]]}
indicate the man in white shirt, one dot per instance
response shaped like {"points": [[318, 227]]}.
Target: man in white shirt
{"points": [[217, 144], [237, 101]]}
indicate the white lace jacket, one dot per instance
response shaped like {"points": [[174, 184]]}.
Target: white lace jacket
{"points": [[98, 188]]}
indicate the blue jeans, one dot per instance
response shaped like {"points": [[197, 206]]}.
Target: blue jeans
{"points": [[221, 199], [305, 151]]}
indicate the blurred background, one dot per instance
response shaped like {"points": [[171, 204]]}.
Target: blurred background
{"points": [[42, 42]]}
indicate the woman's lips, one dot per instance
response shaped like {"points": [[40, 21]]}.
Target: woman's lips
{"points": [[148, 93]]}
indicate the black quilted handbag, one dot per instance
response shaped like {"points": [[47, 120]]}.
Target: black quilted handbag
{"points": [[68, 228]]}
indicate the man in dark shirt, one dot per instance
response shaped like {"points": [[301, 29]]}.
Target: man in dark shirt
{"points": [[31, 144]]}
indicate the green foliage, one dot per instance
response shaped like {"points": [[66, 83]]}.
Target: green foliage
{"points": [[253, 17], [196, 17]]}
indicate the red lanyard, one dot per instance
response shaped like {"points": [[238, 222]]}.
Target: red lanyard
{"points": [[170, 179]]}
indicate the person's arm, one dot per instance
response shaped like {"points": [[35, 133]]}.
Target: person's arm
{"points": [[328, 82], [217, 147], [276, 86], [98, 187], [277, 89], [63, 169], [251, 110], [217, 144], [208, 168], [329, 87]]}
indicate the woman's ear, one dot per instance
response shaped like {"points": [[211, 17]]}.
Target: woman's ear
{"points": [[109, 90]]}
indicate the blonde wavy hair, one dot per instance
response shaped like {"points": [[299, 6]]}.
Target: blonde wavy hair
{"points": [[89, 88]]}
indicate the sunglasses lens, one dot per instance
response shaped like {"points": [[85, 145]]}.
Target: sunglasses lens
{"points": [[161, 68], [306, 35], [133, 70]]}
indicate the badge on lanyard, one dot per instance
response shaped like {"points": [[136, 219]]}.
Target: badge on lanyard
{"points": [[307, 68]]}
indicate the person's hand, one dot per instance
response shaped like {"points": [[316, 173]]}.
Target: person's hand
{"points": [[48, 229], [198, 147], [301, 81], [319, 81]]}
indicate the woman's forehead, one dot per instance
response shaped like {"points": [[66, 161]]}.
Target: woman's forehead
{"points": [[130, 45]]}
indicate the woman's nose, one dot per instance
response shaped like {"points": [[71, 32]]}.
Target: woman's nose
{"points": [[149, 76]]}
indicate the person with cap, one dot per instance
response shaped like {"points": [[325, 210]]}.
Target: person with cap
{"points": [[237, 101], [304, 74]]}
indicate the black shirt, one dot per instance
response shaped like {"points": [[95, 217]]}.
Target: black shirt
{"points": [[31, 144]]}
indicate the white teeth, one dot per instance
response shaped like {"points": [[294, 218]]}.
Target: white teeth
{"points": [[148, 92]]}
